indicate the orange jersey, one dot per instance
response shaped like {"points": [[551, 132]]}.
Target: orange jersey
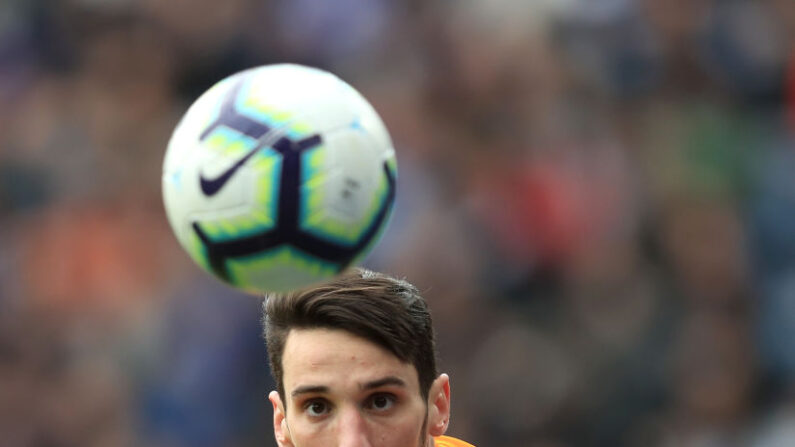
{"points": [[446, 441]]}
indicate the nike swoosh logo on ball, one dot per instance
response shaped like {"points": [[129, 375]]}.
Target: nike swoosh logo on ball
{"points": [[211, 186]]}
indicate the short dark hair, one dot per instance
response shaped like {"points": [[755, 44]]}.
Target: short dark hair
{"points": [[384, 310]]}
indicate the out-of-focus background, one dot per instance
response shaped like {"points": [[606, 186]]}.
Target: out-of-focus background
{"points": [[597, 198]]}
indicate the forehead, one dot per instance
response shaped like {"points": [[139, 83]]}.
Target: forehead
{"points": [[334, 357]]}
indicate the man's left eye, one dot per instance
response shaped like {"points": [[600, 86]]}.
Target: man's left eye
{"points": [[381, 402]]}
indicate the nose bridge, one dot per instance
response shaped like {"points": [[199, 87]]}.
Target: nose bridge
{"points": [[352, 428]]}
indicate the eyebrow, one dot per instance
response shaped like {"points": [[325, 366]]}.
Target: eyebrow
{"points": [[310, 389], [389, 380], [322, 389]]}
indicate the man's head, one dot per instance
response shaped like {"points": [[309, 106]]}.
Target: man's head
{"points": [[354, 361]]}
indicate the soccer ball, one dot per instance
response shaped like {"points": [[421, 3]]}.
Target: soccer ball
{"points": [[279, 177]]}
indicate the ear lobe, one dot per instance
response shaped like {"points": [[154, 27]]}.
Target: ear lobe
{"points": [[439, 406], [280, 429]]}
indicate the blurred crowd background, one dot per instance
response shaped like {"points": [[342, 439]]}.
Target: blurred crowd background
{"points": [[597, 198]]}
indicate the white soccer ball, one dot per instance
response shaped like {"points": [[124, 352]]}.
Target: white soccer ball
{"points": [[279, 177]]}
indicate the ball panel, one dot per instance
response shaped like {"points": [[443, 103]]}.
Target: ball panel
{"points": [[278, 270], [342, 187], [250, 202], [317, 221], [224, 230]]}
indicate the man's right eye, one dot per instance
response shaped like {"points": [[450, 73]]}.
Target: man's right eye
{"points": [[317, 408]]}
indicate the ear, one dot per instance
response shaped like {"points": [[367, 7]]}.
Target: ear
{"points": [[280, 428], [439, 406]]}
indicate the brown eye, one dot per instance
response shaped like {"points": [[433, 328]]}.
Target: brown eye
{"points": [[317, 408], [381, 402]]}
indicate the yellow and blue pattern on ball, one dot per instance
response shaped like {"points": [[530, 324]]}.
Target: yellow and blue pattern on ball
{"points": [[313, 216], [267, 163], [279, 269], [252, 102]]}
